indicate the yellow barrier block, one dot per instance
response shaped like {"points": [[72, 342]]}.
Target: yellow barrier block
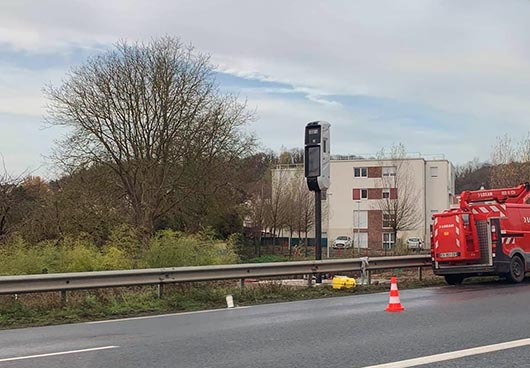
{"points": [[350, 283], [343, 282]]}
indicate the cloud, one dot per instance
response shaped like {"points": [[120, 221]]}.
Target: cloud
{"points": [[24, 143], [446, 76]]}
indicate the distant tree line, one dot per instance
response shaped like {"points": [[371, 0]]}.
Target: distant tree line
{"points": [[508, 167], [88, 202]]}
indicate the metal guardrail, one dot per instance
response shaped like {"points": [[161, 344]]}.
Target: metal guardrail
{"points": [[104, 279]]}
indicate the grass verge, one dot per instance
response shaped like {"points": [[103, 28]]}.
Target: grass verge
{"points": [[46, 308]]}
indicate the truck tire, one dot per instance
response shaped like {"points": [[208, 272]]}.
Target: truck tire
{"points": [[516, 273], [454, 279]]}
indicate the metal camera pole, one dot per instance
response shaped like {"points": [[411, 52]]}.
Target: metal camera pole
{"points": [[318, 230], [317, 171]]}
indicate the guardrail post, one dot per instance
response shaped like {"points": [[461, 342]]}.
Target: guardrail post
{"points": [[420, 274], [63, 297], [309, 280], [160, 291], [369, 277], [241, 284]]}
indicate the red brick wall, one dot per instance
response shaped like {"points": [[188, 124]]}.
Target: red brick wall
{"points": [[375, 193], [375, 172], [393, 193], [375, 224], [356, 194]]}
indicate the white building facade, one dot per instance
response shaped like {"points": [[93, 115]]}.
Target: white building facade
{"points": [[362, 188]]}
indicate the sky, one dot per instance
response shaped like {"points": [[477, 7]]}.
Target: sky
{"points": [[442, 77]]}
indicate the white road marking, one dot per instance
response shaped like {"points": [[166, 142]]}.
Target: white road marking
{"points": [[59, 353], [454, 354], [162, 315]]}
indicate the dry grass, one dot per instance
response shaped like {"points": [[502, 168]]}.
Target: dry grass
{"points": [[46, 308]]}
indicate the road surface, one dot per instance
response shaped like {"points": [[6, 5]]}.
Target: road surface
{"points": [[338, 332]]}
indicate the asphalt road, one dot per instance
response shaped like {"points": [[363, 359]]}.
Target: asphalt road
{"points": [[339, 332]]}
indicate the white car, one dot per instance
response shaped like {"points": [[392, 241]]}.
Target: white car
{"points": [[342, 242], [414, 243]]}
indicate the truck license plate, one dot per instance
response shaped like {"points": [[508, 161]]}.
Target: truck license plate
{"points": [[448, 254]]}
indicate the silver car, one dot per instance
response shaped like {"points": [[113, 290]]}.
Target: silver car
{"points": [[414, 243], [342, 242]]}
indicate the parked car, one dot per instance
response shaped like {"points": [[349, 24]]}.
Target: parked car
{"points": [[414, 243], [342, 242]]}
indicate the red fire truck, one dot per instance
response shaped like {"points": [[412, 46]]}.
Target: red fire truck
{"points": [[489, 234]]}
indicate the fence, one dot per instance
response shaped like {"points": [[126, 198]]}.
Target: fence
{"points": [[298, 248], [105, 279]]}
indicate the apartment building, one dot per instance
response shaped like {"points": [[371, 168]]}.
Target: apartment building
{"points": [[363, 192]]}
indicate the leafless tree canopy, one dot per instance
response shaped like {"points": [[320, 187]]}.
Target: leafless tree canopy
{"points": [[153, 114], [511, 162], [402, 213], [11, 195]]}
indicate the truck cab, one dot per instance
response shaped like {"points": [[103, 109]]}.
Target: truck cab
{"points": [[486, 235]]}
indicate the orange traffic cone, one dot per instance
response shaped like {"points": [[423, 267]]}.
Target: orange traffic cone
{"points": [[394, 305]]}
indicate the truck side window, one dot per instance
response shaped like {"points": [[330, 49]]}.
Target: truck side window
{"points": [[465, 219]]}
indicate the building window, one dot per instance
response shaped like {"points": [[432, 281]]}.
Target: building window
{"points": [[364, 193], [360, 172], [388, 240], [389, 171], [388, 220], [360, 219], [386, 193], [360, 240], [434, 171]]}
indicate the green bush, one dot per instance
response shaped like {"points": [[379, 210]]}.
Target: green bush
{"points": [[126, 238], [166, 249], [68, 255], [114, 258], [173, 249], [17, 258]]}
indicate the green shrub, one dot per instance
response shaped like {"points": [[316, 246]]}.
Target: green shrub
{"points": [[166, 249], [17, 258], [114, 258], [79, 255], [125, 238], [173, 249]]}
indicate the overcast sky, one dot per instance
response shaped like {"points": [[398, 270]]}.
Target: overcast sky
{"points": [[443, 77]]}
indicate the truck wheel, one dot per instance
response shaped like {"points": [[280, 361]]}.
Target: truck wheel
{"points": [[516, 273], [454, 279]]}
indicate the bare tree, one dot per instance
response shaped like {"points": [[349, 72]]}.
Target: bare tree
{"points": [[299, 204], [258, 205], [511, 162], [153, 114], [293, 156], [472, 175], [399, 206], [291, 202], [305, 208], [277, 210], [11, 194]]}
